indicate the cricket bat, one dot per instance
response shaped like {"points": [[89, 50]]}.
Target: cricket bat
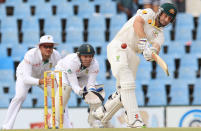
{"points": [[161, 63]]}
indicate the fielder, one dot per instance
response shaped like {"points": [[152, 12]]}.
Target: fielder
{"points": [[30, 72], [143, 33], [79, 71]]}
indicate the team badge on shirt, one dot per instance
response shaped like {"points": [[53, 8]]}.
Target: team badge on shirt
{"points": [[117, 58], [155, 33], [69, 71], [87, 71], [50, 65]]}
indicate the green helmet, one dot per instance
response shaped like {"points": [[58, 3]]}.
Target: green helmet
{"points": [[85, 49], [169, 9]]}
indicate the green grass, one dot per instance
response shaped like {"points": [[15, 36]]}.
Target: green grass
{"points": [[116, 129]]}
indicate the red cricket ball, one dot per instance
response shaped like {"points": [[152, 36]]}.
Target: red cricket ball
{"points": [[124, 46]]}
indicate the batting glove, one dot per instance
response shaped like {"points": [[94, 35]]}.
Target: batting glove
{"points": [[147, 53], [142, 44]]}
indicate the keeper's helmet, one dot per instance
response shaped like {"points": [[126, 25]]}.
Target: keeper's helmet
{"points": [[168, 9], [85, 49]]}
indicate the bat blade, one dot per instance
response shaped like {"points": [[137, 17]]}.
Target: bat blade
{"points": [[161, 63]]}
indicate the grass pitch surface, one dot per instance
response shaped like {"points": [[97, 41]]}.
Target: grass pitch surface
{"points": [[115, 129]]}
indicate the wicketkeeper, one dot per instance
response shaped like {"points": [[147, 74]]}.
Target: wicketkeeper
{"points": [[79, 71], [143, 33]]}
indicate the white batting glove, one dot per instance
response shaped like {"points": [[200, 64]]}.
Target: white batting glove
{"points": [[147, 53], [142, 44]]}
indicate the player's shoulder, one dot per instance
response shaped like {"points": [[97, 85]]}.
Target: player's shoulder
{"points": [[56, 54], [95, 63], [146, 12], [71, 59], [72, 56], [32, 52]]}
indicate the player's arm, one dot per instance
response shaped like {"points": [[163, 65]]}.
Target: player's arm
{"points": [[27, 71], [156, 46], [72, 77], [92, 78], [138, 26]]}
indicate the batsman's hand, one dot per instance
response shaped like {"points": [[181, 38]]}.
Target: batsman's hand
{"points": [[142, 44], [147, 53]]}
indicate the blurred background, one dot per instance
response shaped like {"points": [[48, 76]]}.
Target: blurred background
{"points": [[73, 22]]}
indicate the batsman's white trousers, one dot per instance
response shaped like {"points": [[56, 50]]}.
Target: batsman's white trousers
{"points": [[119, 57], [124, 64]]}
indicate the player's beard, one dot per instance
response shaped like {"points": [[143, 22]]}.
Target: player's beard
{"points": [[163, 23]]}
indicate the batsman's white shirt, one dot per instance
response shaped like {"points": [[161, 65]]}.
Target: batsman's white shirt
{"points": [[32, 68], [127, 35], [76, 77]]}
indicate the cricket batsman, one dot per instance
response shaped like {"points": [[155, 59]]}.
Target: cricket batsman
{"points": [[143, 33]]}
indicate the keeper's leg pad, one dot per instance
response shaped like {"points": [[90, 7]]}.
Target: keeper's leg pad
{"points": [[113, 104], [66, 90]]}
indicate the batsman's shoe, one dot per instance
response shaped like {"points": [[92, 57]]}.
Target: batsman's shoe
{"points": [[107, 125], [138, 124], [96, 124]]}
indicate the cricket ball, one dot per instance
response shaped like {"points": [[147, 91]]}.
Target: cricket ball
{"points": [[124, 46]]}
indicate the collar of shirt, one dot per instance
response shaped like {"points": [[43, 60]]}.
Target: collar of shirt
{"points": [[153, 24]]}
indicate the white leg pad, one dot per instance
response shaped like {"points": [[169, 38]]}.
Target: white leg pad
{"points": [[129, 102], [113, 104]]}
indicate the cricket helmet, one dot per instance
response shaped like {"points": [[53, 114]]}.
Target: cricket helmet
{"points": [[169, 9], [86, 49]]}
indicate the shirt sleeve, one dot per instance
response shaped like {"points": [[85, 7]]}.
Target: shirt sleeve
{"points": [[93, 72], [57, 57], [27, 71], [72, 78], [146, 14]]}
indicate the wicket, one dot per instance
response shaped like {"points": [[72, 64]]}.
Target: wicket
{"points": [[53, 99]]}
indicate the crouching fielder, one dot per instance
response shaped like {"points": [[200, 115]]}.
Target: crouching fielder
{"points": [[79, 71], [143, 30]]}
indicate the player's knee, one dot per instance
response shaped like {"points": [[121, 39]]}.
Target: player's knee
{"points": [[128, 85]]}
